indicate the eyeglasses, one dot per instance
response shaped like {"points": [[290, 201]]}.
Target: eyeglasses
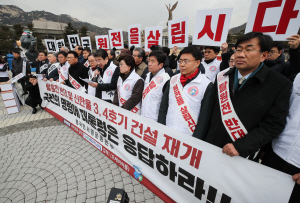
{"points": [[246, 51], [122, 64], [273, 52], [135, 55], [92, 61], [186, 61]]}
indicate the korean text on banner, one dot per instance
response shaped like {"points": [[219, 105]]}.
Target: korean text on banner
{"points": [[134, 35], [178, 32], [86, 42], [185, 169], [153, 36], [211, 26], [73, 41], [102, 42], [116, 38], [51, 45], [279, 19]]}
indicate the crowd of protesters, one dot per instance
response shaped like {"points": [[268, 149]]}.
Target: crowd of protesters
{"points": [[194, 92]]}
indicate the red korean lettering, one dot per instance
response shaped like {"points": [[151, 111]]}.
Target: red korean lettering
{"points": [[88, 104], [240, 132], [135, 110], [287, 14], [226, 109], [223, 86], [76, 99], [70, 96], [82, 101], [105, 113], [178, 33], [123, 120], [102, 43], [116, 39], [136, 125], [207, 28], [166, 145], [175, 147], [96, 111], [150, 136], [48, 86], [134, 35], [153, 39], [112, 116], [224, 97], [232, 124], [195, 158], [188, 151]]}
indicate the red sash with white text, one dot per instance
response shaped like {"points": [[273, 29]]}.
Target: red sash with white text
{"points": [[230, 119], [155, 83], [76, 84], [187, 116]]}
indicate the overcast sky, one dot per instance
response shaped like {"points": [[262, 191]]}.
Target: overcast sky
{"points": [[121, 13]]}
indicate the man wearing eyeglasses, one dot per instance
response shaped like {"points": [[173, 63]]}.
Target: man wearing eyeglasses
{"points": [[188, 98], [252, 101], [276, 59]]}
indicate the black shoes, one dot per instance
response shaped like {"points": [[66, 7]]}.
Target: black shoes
{"points": [[34, 111]]}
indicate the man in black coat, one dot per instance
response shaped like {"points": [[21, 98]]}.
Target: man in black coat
{"points": [[34, 97], [276, 59], [76, 71], [259, 96], [17, 68], [42, 61]]}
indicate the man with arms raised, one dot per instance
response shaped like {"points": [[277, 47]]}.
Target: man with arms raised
{"points": [[252, 102], [76, 71], [52, 71], [187, 101], [154, 85], [108, 74]]}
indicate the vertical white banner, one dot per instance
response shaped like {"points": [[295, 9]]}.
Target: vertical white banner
{"points": [[134, 35], [279, 19], [86, 42], [178, 32], [116, 38], [51, 45], [211, 26], [73, 41], [102, 42], [59, 44], [153, 36]]}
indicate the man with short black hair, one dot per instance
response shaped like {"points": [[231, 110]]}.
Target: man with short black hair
{"points": [[79, 50], [85, 53], [107, 79], [52, 70], [17, 67], [43, 59], [166, 63], [210, 63], [63, 68], [188, 99], [76, 71], [276, 59], [154, 85], [252, 102]]}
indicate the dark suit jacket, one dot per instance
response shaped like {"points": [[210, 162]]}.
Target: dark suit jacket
{"points": [[261, 104]]}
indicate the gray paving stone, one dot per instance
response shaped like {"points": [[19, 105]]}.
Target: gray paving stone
{"points": [[48, 162]]}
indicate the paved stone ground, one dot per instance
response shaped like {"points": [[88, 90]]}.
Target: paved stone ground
{"points": [[42, 160]]}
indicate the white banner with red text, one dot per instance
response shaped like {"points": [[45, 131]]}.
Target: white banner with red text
{"points": [[176, 167]]}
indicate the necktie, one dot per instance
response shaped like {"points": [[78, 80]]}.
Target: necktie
{"points": [[241, 80]]}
